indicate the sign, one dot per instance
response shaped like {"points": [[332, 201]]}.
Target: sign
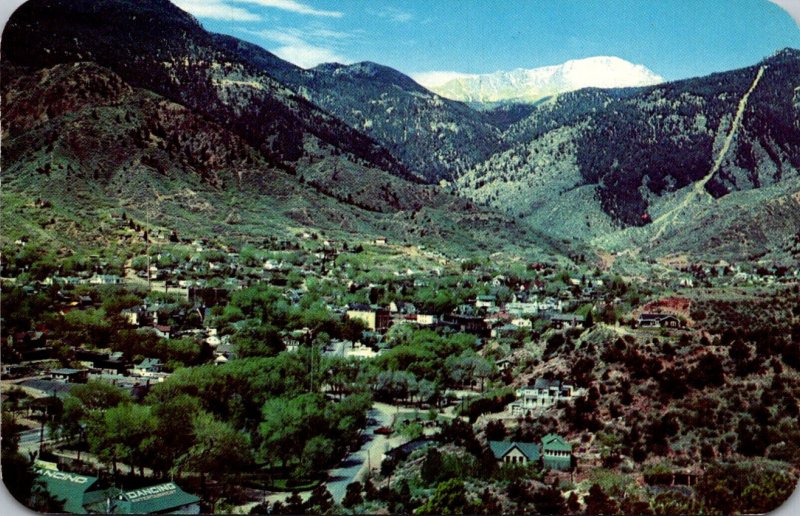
{"points": [[63, 475], [148, 493]]}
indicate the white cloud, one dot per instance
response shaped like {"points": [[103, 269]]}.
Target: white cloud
{"points": [[393, 13], [318, 33], [437, 78], [215, 9], [296, 47], [293, 6], [306, 55], [790, 6]]}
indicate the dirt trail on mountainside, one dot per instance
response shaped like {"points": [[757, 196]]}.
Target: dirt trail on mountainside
{"points": [[699, 189]]}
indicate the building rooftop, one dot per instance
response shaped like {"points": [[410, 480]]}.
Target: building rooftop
{"points": [[501, 448], [154, 499], [542, 383], [66, 486], [66, 371], [556, 443], [48, 387]]}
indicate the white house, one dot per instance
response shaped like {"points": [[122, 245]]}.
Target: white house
{"points": [[427, 319], [543, 393], [522, 323]]}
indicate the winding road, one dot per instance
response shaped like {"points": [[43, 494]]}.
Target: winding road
{"points": [[370, 454]]}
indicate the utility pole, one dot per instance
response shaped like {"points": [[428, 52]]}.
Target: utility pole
{"points": [[311, 363], [147, 241], [41, 436]]}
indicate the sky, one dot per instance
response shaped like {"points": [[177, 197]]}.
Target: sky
{"points": [[674, 38]]}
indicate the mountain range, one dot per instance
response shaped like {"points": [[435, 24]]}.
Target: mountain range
{"points": [[530, 85], [132, 105]]}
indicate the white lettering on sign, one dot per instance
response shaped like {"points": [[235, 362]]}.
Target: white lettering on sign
{"points": [[63, 475], [150, 491]]}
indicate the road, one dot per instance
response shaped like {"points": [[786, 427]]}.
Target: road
{"points": [[29, 440], [355, 464], [32, 436]]}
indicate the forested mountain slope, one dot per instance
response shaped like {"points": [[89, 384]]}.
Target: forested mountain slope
{"points": [[595, 161], [132, 105], [437, 138]]}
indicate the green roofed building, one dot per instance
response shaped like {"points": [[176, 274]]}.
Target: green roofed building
{"points": [[158, 499], [73, 489], [508, 452], [81, 495], [556, 452]]}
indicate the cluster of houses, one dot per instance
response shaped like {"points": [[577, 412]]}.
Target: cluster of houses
{"points": [[83, 279], [485, 317], [111, 368], [735, 274]]}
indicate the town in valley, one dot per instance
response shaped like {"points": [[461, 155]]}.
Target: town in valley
{"points": [[233, 285]]}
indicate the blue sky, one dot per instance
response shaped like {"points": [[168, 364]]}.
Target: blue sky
{"points": [[674, 38]]}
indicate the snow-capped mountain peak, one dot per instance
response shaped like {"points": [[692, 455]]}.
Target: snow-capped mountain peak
{"points": [[529, 85]]}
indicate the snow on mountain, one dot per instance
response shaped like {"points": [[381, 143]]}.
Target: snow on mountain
{"points": [[529, 85]]}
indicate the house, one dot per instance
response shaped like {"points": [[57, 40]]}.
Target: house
{"points": [[360, 351], [104, 362], [556, 453], [403, 451], [67, 375], [510, 452], [105, 279], [46, 388], [402, 307], [467, 324], [133, 385], [380, 241], [148, 367], [551, 304], [543, 393], [567, 320], [658, 321], [162, 330], [134, 316], [503, 364], [9, 371], [228, 351], [114, 363], [522, 323], [209, 296], [427, 319], [373, 317], [506, 330], [293, 340], [519, 308]]}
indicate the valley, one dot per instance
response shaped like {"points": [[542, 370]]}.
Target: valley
{"points": [[231, 284]]}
